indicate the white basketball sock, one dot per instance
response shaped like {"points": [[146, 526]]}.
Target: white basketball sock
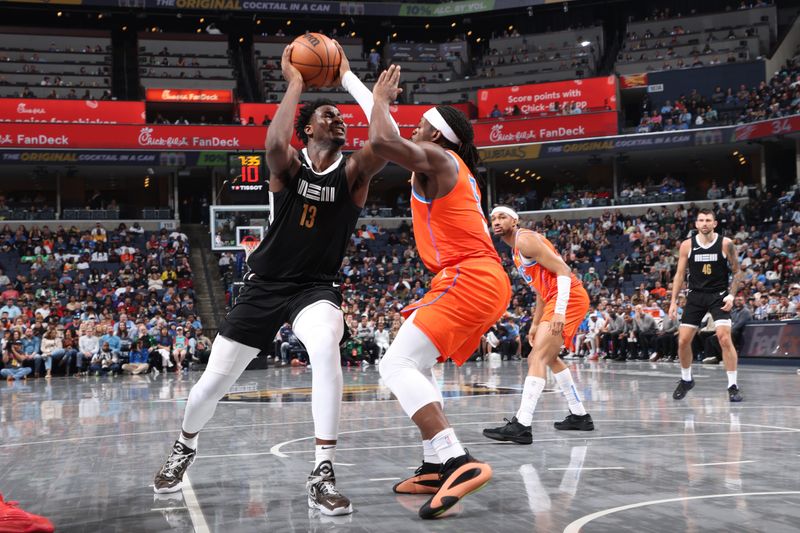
{"points": [[446, 445], [429, 454], [731, 378], [570, 393], [531, 392], [686, 374], [324, 452], [189, 443]]}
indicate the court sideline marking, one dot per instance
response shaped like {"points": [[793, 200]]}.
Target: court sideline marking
{"points": [[575, 527], [195, 512], [276, 449]]}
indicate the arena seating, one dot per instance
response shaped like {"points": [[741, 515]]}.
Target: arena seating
{"points": [[81, 279], [55, 64], [515, 60], [177, 61], [778, 97], [267, 53], [698, 40]]}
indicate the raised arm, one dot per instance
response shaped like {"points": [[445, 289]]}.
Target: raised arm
{"points": [[736, 280], [282, 158], [680, 276], [423, 158], [365, 163]]}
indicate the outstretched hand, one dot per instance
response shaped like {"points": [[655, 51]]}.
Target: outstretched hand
{"points": [[344, 66], [387, 88], [290, 72]]}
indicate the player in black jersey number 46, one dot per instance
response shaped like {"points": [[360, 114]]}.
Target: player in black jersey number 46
{"points": [[710, 259], [317, 195]]}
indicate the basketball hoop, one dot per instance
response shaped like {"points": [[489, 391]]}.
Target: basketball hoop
{"points": [[248, 244]]}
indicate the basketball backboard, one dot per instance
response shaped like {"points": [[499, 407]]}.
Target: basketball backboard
{"points": [[232, 223]]}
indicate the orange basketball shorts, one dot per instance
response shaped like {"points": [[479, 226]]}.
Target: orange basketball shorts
{"points": [[577, 306], [464, 301]]}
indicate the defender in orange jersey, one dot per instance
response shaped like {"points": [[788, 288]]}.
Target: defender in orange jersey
{"points": [[561, 306], [468, 294]]}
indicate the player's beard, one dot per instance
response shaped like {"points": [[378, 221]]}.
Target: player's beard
{"points": [[339, 141]]}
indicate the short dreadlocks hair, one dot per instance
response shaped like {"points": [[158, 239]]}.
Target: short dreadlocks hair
{"points": [[304, 117]]}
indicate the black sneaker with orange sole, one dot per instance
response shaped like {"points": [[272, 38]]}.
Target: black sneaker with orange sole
{"points": [[425, 480], [460, 476]]}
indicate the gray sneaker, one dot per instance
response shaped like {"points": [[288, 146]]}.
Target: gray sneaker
{"points": [[322, 492], [170, 477]]}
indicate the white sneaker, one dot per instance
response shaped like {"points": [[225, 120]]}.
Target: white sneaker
{"points": [[654, 357]]}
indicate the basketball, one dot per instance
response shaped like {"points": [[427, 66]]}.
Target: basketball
{"points": [[317, 59]]}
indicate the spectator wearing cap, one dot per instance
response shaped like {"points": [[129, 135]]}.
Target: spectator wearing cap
{"points": [[14, 362], [163, 347], [105, 361], [180, 347]]}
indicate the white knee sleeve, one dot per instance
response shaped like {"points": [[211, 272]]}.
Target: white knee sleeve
{"points": [[226, 363], [320, 327], [407, 369]]}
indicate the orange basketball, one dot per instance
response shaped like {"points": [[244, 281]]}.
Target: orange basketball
{"points": [[317, 59]]}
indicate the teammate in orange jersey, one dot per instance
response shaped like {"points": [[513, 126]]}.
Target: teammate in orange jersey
{"points": [[561, 306], [468, 294]]}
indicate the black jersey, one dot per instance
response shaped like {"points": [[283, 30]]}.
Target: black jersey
{"points": [[708, 267], [312, 220]]}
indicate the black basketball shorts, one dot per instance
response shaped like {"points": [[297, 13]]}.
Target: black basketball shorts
{"points": [[700, 303], [262, 307]]}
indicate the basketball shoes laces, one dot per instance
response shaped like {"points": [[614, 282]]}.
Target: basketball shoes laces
{"points": [[13, 520], [323, 494], [170, 477]]}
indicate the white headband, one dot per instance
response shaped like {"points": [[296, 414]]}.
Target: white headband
{"points": [[506, 211], [437, 121]]}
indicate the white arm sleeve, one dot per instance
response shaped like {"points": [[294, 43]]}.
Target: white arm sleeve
{"points": [[362, 94], [562, 299]]}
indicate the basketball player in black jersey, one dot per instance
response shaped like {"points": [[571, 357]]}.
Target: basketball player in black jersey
{"points": [[317, 195], [711, 258]]}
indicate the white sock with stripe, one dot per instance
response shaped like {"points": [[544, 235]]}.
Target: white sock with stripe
{"points": [[570, 393]]}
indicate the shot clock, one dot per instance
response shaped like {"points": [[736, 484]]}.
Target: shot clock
{"points": [[247, 173]]}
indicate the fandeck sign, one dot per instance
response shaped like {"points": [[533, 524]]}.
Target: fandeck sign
{"points": [[71, 111], [591, 93], [532, 130], [189, 96], [193, 138]]}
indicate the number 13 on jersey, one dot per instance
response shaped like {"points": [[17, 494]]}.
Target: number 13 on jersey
{"points": [[309, 216]]}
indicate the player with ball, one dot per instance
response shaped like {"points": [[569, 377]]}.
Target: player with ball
{"points": [[317, 196]]}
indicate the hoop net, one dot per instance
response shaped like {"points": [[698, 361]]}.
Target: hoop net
{"points": [[248, 244]]}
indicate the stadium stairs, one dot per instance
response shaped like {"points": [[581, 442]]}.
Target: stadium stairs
{"points": [[210, 296]]}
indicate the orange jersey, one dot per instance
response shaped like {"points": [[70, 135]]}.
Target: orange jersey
{"points": [[539, 278], [451, 229]]}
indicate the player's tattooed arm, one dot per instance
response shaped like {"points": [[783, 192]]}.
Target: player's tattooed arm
{"points": [[736, 270]]}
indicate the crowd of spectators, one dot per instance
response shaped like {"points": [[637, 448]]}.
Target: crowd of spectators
{"points": [[625, 262], [776, 98], [96, 301]]}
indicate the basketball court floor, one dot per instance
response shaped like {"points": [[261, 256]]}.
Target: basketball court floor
{"points": [[83, 452]]}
